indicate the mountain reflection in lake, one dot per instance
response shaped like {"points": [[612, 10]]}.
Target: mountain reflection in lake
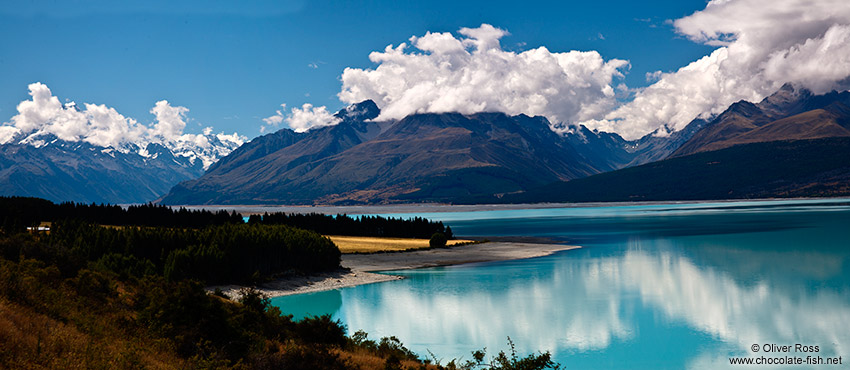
{"points": [[681, 286]]}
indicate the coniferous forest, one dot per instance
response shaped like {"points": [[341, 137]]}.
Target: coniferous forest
{"points": [[17, 213], [341, 224]]}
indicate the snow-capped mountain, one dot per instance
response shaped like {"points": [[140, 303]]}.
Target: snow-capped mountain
{"points": [[47, 167], [61, 152]]}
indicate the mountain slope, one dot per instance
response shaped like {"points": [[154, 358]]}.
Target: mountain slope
{"points": [[788, 114], [651, 148], [799, 168], [449, 157], [260, 147], [423, 157], [41, 165], [77, 171], [442, 156], [252, 171], [792, 143]]}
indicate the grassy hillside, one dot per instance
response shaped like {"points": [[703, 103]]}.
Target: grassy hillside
{"points": [[802, 168], [92, 319]]}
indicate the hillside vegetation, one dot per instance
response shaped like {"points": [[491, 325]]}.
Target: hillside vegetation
{"points": [[85, 296]]}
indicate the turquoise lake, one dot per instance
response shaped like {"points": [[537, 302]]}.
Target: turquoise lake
{"points": [[667, 286]]}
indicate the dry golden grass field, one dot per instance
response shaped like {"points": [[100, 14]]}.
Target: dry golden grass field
{"points": [[367, 244]]}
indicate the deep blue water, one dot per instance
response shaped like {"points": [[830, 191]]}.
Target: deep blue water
{"points": [[653, 286]]}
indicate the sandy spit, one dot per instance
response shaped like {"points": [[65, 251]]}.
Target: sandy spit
{"points": [[358, 269]]}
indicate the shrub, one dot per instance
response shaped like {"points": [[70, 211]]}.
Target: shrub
{"points": [[438, 240], [321, 330]]}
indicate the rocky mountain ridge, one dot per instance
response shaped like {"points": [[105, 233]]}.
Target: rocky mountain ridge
{"points": [[422, 157]]}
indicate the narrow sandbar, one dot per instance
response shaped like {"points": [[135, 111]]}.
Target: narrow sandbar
{"points": [[483, 252], [358, 269]]}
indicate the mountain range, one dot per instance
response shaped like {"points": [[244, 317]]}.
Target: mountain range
{"points": [[422, 157], [42, 165], [791, 144], [451, 158], [788, 114], [492, 157]]}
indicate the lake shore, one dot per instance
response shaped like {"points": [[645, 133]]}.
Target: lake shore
{"points": [[419, 208], [359, 269]]}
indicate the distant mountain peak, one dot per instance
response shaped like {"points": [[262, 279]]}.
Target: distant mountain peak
{"points": [[421, 157], [742, 108], [791, 113], [785, 101], [206, 148], [361, 111]]}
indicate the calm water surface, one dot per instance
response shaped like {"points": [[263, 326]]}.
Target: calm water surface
{"points": [[654, 286]]}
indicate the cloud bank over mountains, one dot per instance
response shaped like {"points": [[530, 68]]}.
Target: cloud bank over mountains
{"points": [[103, 126], [760, 48], [472, 73]]}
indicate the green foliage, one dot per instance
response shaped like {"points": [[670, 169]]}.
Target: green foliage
{"points": [[222, 253], [17, 213], [203, 329], [29, 282], [196, 323], [126, 266], [503, 361], [93, 284], [341, 224], [146, 283], [301, 357], [438, 240], [28, 246], [321, 330], [387, 347]]}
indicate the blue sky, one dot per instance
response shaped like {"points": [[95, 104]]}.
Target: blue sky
{"points": [[232, 64]]}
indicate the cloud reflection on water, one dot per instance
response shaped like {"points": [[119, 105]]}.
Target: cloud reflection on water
{"points": [[574, 306]]}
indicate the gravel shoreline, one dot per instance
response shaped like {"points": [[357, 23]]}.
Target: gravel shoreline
{"points": [[359, 269]]}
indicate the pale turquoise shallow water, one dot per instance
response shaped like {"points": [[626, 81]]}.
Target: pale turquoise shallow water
{"points": [[654, 286]]}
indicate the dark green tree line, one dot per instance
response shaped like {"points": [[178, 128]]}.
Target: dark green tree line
{"points": [[341, 224], [18, 213], [213, 254]]}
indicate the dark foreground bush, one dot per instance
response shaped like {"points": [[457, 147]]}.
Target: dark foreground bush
{"points": [[438, 240], [503, 361]]}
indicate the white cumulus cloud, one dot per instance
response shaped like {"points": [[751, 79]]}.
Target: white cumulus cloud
{"points": [[275, 120], [170, 121], [301, 119], [760, 48], [471, 73], [308, 116], [103, 126], [96, 124]]}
